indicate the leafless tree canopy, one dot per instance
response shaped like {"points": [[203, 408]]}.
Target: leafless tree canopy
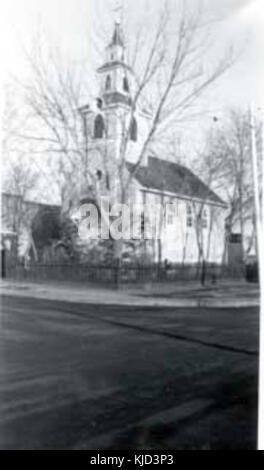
{"points": [[226, 165], [171, 74]]}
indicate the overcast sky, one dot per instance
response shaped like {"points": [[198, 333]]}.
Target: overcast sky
{"points": [[66, 22]]}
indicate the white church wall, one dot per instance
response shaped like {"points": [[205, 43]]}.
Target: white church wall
{"points": [[178, 240]]}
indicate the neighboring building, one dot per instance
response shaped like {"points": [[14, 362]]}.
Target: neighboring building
{"points": [[17, 215]]}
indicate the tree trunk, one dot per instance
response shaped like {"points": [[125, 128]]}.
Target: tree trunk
{"points": [[118, 245], [203, 272]]}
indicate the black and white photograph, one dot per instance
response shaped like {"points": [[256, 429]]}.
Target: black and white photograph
{"points": [[132, 227]]}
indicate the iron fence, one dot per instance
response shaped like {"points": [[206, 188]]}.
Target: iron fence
{"points": [[125, 273]]}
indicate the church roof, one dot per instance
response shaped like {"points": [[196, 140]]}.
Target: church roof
{"points": [[11, 196], [114, 64], [165, 176]]}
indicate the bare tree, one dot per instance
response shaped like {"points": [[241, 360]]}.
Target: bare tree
{"points": [[170, 74], [209, 167], [19, 177], [52, 122], [18, 183], [228, 158], [171, 80]]}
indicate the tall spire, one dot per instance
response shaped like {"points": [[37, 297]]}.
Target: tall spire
{"points": [[116, 75], [118, 37]]}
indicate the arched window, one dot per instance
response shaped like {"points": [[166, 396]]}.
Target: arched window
{"points": [[99, 127], [99, 175], [108, 82], [133, 130], [99, 103], [125, 84]]}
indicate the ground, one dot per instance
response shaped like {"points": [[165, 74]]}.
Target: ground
{"points": [[75, 376]]}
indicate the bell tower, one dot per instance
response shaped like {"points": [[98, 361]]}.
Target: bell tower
{"points": [[115, 112], [116, 77]]}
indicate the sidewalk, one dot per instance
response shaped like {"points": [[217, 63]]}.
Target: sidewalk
{"points": [[178, 294]]}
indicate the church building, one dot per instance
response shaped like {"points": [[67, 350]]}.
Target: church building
{"points": [[192, 220], [196, 225]]}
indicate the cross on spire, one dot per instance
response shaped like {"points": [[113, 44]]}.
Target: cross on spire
{"points": [[118, 10]]}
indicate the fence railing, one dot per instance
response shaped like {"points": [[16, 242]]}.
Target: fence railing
{"points": [[125, 273]]}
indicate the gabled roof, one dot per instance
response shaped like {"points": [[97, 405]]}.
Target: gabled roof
{"points": [[165, 176], [6, 195]]}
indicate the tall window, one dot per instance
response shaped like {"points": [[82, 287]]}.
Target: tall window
{"points": [[142, 224], [107, 181], [125, 84], [133, 130], [108, 82], [205, 219], [189, 220], [170, 213], [99, 127], [99, 175], [99, 103]]}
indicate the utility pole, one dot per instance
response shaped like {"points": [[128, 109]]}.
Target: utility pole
{"points": [[261, 260], [260, 250]]}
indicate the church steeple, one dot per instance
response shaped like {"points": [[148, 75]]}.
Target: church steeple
{"points": [[117, 38], [116, 48], [116, 75]]}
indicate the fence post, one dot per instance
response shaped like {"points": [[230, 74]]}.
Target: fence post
{"points": [[117, 272], [3, 263]]}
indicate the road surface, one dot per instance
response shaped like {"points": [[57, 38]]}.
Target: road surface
{"points": [[104, 377]]}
